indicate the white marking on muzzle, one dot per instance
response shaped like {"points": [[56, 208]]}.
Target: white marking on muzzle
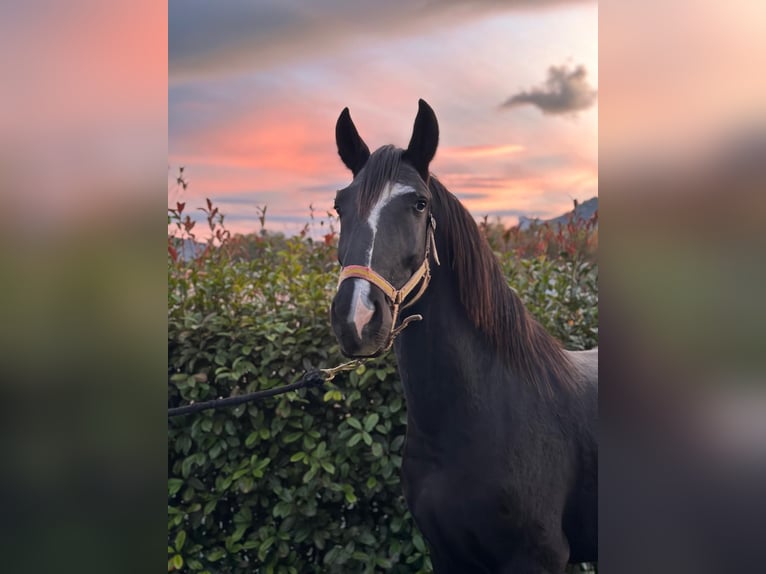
{"points": [[362, 309]]}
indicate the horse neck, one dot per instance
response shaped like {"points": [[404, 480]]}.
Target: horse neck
{"points": [[446, 364]]}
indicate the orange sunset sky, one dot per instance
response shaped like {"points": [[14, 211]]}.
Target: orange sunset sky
{"points": [[255, 89]]}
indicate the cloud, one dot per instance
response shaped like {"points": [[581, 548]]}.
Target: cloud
{"points": [[212, 38], [564, 92], [479, 151]]}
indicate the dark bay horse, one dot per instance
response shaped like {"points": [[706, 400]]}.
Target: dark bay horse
{"points": [[500, 462]]}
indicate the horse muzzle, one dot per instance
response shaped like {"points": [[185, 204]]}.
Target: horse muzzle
{"points": [[361, 318]]}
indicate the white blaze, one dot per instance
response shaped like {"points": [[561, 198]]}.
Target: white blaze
{"points": [[362, 309]]}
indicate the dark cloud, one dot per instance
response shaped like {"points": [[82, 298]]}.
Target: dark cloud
{"points": [[514, 213], [564, 92], [278, 217], [212, 37], [472, 195], [329, 188], [254, 198]]}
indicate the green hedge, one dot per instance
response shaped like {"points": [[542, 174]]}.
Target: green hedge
{"points": [[308, 481]]}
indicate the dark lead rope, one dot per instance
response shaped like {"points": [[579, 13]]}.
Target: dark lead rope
{"points": [[313, 378]]}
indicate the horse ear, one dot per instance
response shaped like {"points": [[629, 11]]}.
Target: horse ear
{"points": [[351, 149], [425, 139]]}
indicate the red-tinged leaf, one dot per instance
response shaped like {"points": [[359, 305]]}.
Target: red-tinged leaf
{"points": [[180, 207], [209, 204], [173, 253]]}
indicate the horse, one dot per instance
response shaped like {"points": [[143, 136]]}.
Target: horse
{"points": [[499, 468]]}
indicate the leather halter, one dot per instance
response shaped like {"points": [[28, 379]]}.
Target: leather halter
{"points": [[396, 296]]}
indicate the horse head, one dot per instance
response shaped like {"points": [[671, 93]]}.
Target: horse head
{"points": [[386, 233]]}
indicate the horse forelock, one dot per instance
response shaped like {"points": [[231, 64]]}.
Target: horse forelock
{"points": [[382, 168], [492, 306]]}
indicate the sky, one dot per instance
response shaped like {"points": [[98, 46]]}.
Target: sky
{"points": [[255, 89]]}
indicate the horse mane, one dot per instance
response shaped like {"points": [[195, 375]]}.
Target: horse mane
{"points": [[492, 306]]}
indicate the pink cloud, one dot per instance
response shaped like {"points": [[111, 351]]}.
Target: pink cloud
{"points": [[481, 151]]}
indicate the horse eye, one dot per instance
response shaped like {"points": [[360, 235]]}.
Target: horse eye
{"points": [[421, 205]]}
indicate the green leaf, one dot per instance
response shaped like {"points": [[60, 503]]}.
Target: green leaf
{"points": [[184, 444], [367, 438], [417, 541], [298, 456], [281, 509], [354, 423], [311, 473], [239, 531], [178, 562], [264, 548], [174, 485], [251, 439], [354, 439], [321, 449], [186, 466], [377, 450], [370, 421], [319, 537], [244, 516], [180, 539], [366, 537], [240, 473], [292, 437], [216, 554], [245, 484]]}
